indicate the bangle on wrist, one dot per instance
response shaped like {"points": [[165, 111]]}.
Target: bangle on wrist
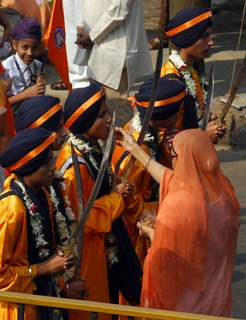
{"points": [[30, 271], [148, 162]]}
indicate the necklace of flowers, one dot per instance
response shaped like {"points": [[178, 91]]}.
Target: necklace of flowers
{"points": [[36, 223], [148, 138], [136, 125], [64, 229], [83, 147], [186, 73]]}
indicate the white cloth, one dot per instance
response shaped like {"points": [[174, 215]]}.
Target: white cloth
{"points": [[117, 29], [12, 72], [77, 74]]}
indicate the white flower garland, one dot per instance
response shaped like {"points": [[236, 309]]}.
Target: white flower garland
{"points": [[62, 227], [36, 223], [83, 147], [185, 71], [80, 144], [137, 126], [36, 220], [68, 209]]}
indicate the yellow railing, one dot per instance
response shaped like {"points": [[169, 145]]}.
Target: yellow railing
{"points": [[99, 307]]}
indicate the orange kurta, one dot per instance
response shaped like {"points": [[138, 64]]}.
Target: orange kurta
{"points": [[104, 211], [139, 206], [14, 264]]}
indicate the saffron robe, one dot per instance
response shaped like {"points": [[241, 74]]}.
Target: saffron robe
{"points": [[188, 118], [17, 253], [14, 263], [140, 205], [104, 211]]}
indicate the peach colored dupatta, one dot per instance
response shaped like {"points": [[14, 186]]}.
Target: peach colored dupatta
{"points": [[176, 259]]}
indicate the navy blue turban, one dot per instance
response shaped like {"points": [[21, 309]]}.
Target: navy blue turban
{"points": [[40, 111], [171, 92], [188, 26], [27, 151], [82, 107], [27, 28]]}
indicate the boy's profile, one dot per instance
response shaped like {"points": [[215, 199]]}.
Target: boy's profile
{"points": [[22, 67]]}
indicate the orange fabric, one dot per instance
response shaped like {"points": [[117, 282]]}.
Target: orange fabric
{"points": [[83, 108], [138, 205], [30, 8], [189, 24], [14, 275], [177, 257], [162, 103], [104, 211], [46, 116], [10, 120], [169, 68], [199, 90], [7, 126], [33, 153], [55, 42]]}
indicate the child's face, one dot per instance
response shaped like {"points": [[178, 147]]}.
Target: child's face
{"points": [[27, 49]]}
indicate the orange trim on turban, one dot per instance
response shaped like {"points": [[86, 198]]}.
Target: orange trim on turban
{"points": [[33, 153], [189, 24], [164, 102], [46, 116], [86, 105]]}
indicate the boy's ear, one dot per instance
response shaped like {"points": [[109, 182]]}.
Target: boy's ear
{"points": [[14, 44]]}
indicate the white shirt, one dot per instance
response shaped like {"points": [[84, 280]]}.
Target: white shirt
{"points": [[117, 29], [14, 74]]}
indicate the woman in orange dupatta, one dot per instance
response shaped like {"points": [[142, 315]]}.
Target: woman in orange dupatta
{"points": [[190, 263]]}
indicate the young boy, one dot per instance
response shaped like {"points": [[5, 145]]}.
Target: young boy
{"points": [[22, 67], [34, 223], [87, 117], [191, 32]]}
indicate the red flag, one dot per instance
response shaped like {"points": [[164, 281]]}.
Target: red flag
{"points": [[55, 41]]}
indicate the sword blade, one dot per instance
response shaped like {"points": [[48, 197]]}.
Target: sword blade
{"points": [[79, 186], [152, 99], [209, 100]]}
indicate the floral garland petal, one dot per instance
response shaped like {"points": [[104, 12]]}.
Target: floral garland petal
{"points": [[36, 223], [186, 73]]}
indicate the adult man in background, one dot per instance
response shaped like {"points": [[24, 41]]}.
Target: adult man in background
{"points": [[112, 42]]}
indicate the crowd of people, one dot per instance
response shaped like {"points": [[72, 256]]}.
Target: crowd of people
{"points": [[162, 232]]}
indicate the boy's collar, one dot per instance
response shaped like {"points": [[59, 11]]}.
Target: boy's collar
{"points": [[22, 65]]}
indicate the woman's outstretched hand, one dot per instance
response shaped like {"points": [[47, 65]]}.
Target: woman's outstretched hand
{"points": [[125, 139]]}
